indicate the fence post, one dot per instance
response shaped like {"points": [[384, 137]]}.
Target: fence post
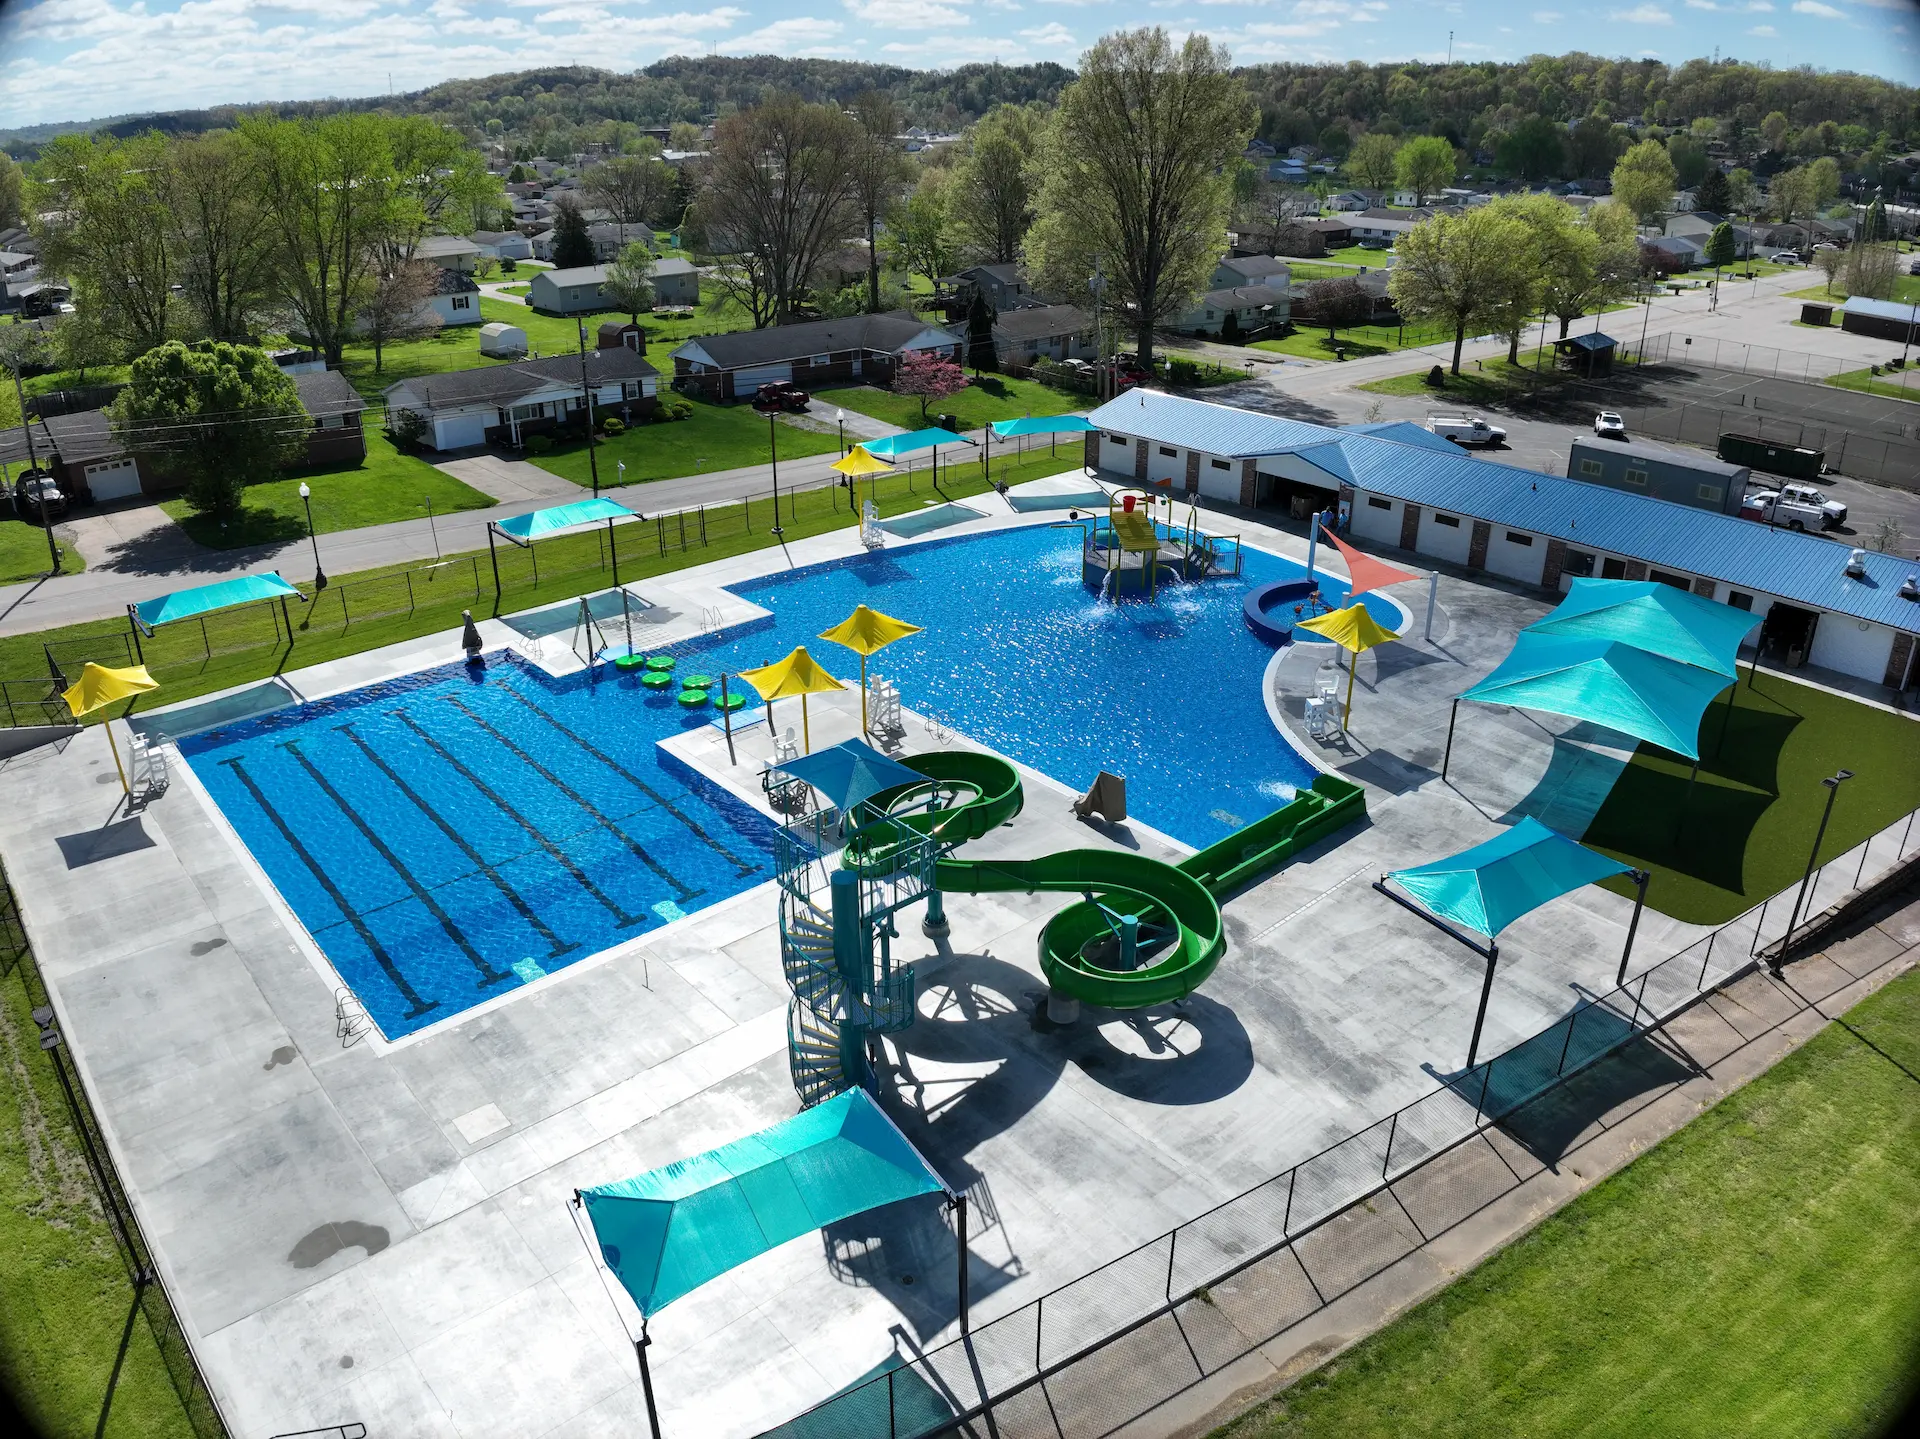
{"points": [[1039, 1328], [1286, 1217], [409, 578], [1480, 1105], [1173, 1245], [1566, 1044], [703, 526]]}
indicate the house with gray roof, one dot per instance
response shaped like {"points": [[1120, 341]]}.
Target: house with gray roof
{"points": [[1049, 332], [865, 348], [504, 404]]}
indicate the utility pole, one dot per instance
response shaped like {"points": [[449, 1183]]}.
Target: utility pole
{"points": [[586, 394], [33, 468], [1098, 284]]}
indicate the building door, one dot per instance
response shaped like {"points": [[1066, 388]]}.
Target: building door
{"points": [[114, 480], [1787, 633]]}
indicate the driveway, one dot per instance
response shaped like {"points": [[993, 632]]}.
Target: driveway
{"points": [[505, 481]]}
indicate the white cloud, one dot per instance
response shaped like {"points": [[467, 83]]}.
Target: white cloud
{"points": [[1547, 17], [1814, 7], [1642, 15], [906, 14], [1050, 35], [1765, 32]]}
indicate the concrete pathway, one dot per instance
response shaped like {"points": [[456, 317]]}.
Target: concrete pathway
{"points": [[508, 481]]}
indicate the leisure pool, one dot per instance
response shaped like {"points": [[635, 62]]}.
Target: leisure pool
{"points": [[448, 837]]}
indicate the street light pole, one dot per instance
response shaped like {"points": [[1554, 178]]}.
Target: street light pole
{"points": [[773, 449], [33, 468], [319, 575], [840, 422], [1833, 783]]}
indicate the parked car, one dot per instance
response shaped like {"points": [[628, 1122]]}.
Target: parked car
{"points": [[1467, 431], [781, 395], [1798, 507], [1784, 257], [32, 490], [1609, 426]]}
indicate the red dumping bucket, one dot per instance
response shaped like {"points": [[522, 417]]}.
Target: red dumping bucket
{"points": [[1126, 504]]}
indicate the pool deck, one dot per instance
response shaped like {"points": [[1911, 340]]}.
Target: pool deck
{"points": [[378, 1233]]}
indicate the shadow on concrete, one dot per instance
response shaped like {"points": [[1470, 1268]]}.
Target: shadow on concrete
{"points": [[91, 846], [906, 1253]]}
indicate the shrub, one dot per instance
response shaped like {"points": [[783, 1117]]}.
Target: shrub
{"points": [[1437, 377], [673, 407], [611, 426], [539, 445], [407, 429]]}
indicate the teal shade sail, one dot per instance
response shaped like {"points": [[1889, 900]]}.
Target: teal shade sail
{"points": [[851, 772], [668, 1231], [894, 446], [1488, 887], [1607, 682], [204, 599], [1042, 425], [535, 523], [1661, 619]]}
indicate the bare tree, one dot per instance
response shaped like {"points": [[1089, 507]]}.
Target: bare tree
{"points": [[634, 189], [880, 172], [1871, 271], [399, 306], [990, 200], [779, 195], [221, 235], [629, 281], [1274, 210], [1335, 305]]}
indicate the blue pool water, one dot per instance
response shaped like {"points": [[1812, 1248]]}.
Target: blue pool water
{"points": [[448, 837]]}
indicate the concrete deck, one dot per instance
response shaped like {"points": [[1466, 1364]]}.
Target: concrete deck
{"points": [[379, 1233]]}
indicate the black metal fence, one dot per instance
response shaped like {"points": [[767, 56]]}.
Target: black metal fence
{"points": [[148, 1299], [1096, 1352], [1714, 353]]}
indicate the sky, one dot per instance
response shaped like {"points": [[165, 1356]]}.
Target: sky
{"points": [[84, 59]]}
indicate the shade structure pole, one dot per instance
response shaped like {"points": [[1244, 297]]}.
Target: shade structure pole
{"points": [[139, 655], [1685, 799], [494, 555], [1353, 663], [1452, 717], [1433, 601], [613, 553], [1313, 541], [1480, 1015], [726, 715], [863, 697], [1727, 718], [1640, 878], [960, 1226], [106, 727], [640, 1347], [806, 728]]}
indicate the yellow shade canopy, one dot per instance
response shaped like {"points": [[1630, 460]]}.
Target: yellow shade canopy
{"points": [[1352, 628], [868, 631], [859, 462], [798, 674], [99, 685]]}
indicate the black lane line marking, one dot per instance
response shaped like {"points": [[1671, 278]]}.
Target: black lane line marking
{"points": [[633, 779], [639, 849], [488, 974], [380, 955], [512, 895], [560, 856]]}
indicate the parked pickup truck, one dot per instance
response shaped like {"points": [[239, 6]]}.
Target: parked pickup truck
{"points": [[1798, 507], [1464, 431]]}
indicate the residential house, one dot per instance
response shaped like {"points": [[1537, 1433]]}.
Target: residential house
{"points": [[1405, 199], [1672, 253], [1250, 270], [1699, 225], [1051, 332], [859, 347], [457, 300], [16, 266], [338, 436], [1288, 171], [450, 252], [501, 245], [569, 292], [1352, 201], [505, 404], [676, 282], [1331, 230], [1377, 226], [1253, 307], [1259, 151], [1004, 286]]}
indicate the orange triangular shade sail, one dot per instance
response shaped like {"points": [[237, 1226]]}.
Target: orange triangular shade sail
{"points": [[1368, 573]]}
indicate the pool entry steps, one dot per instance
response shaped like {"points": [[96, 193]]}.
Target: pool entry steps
{"points": [[1130, 553], [1143, 932]]}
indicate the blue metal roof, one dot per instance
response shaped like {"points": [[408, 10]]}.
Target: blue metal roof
{"points": [[1801, 568], [1883, 309], [1592, 340], [1407, 433]]}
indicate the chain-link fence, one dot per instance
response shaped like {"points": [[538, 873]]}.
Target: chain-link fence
{"points": [[1104, 1348], [1712, 353], [149, 1293]]}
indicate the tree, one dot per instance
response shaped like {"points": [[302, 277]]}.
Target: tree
{"points": [[1137, 174], [212, 414], [629, 282], [1534, 149], [1742, 193], [1689, 158], [326, 187], [1774, 130], [1722, 248], [1790, 195], [572, 240], [1643, 181], [1593, 147], [1581, 263], [990, 200], [82, 343], [980, 349], [1713, 194], [399, 306], [1424, 166], [634, 189], [1274, 209], [103, 221], [1823, 183], [1830, 262], [780, 188], [222, 237], [1370, 163], [13, 193], [1871, 270], [1459, 270], [930, 376], [438, 180], [1335, 305], [918, 235], [880, 171], [1873, 224], [685, 137]]}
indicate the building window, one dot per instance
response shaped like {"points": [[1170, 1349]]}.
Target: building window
{"points": [[1667, 577], [1578, 564], [1637, 478], [1514, 537], [1452, 522], [1374, 502], [462, 302], [1170, 452], [1740, 600], [1115, 440], [1710, 493], [1611, 569], [820, 360], [1590, 468], [1221, 464]]}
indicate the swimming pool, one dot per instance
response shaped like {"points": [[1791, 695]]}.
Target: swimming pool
{"points": [[450, 836]]}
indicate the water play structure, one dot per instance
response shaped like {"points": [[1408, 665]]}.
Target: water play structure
{"points": [[1130, 553], [1143, 932]]}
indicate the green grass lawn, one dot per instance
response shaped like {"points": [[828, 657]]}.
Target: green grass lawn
{"points": [[1744, 1277], [550, 334], [386, 486], [988, 398], [23, 550], [454, 348], [1358, 342], [1307, 270], [1754, 811], [1903, 384], [1480, 382], [715, 437], [1906, 290], [514, 290], [64, 1293]]}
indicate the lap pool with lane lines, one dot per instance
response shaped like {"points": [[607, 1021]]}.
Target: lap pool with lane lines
{"points": [[449, 837]]}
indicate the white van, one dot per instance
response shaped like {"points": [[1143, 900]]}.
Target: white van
{"points": [[1466, 431]]}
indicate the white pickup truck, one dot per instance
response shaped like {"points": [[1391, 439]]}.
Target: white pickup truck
{"points": [[1464, 431], [1798, 507]]}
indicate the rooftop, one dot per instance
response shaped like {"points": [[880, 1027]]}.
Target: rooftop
{"points": [[884, 333], [503, 384]]}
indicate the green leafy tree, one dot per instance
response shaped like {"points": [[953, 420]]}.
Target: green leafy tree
{"points": [[1370, 164], [103, 221], [223, 238], [1644, 179], [211, 414], [918, 233], [1823, 182], [629, 281], [980, 351], [1873, 224], [1533, 150], [1714, 194], [880, 172], [1722, 248], [1463, 271], [1594, 145], [572, 242], [438, 180], [1137, 167], [990, 200], [13, 193], [1425, 166], [634, 189], [1773, 130], [1689, 158], [1742, 193]]}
